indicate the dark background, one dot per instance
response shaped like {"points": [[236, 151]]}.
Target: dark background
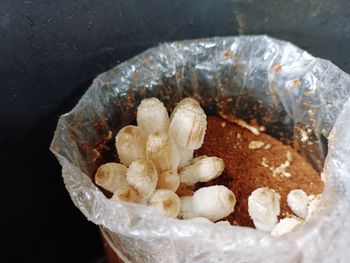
{"points": [[50, 50]]}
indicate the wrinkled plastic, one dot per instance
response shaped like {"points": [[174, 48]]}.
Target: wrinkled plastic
{"points": [[282, 86]]}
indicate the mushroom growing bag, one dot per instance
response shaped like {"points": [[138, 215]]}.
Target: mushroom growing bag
{"points": [[286, 89]]}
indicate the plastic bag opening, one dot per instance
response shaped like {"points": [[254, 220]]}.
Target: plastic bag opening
{"points": [[282, 86]]}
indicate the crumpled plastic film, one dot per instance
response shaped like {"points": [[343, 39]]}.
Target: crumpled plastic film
{"points": [[286, 89]]}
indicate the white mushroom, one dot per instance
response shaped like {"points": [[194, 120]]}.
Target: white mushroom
{"points": [[131, 144], [142, 176], [166, 202], [111, 176], [186, 210], [214, 202], [162, 151], [152, 116], [263, 208], [187, 100], [188, 123], [285, 225], [202, 169], [298, 202], [127, 194], [168, 180]]}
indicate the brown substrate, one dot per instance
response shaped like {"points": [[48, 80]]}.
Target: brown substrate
{"points": [[247, 169]]}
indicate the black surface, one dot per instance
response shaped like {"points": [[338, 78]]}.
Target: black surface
{"points": [[49, 50]]}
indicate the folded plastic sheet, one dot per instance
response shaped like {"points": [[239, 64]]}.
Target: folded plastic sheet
{"points": [[283, 87]]}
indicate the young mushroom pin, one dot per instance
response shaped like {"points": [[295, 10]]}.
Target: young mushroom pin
{"points": [[131, 144], [263, 208], [213, 202], [142, 176], [201, 169], [188, 123], [298, 202], [166, 202], [162, 151], [152, 116], [111, 176]]}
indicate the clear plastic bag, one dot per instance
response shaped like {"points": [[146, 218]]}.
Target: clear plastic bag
{"points": [[297, 92]]}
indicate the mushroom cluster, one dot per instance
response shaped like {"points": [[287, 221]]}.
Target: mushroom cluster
{"points": [[158, 154], [264, 209]]}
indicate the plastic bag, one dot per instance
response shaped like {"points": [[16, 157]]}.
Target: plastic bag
{"points": [[298, 94]]}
